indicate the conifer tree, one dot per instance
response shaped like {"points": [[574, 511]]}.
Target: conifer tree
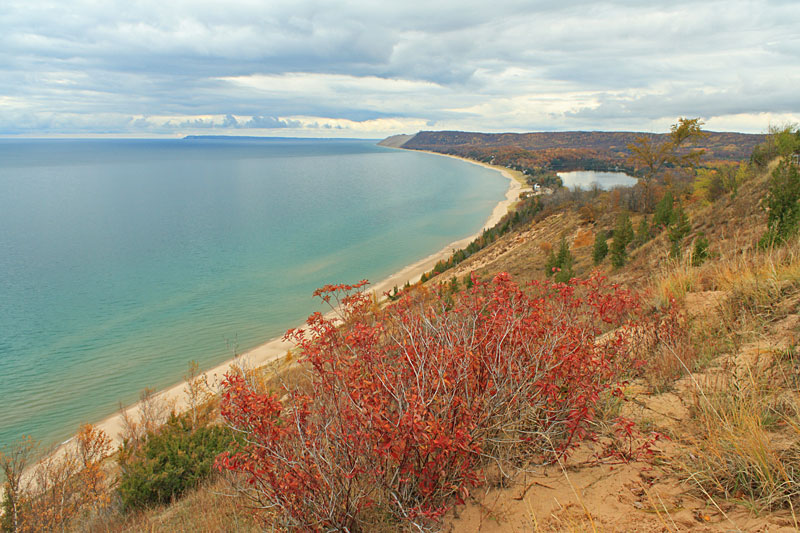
{"points": [[454, 286], [623, 235], [643, 232], [560, 265], [664, 215], [600, 250], [551, 264], [700, 252], [678, 231]]}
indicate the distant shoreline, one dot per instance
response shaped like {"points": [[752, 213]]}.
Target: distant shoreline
{"points": [[266, 139], [276, 348]]}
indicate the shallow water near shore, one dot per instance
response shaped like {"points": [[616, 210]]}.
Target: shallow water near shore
{"points": [[122, 260]]}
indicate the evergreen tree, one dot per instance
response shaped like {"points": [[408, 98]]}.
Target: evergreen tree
{"points": [[564, 261], [700, 252], [551, 264], [781, 203], [643, 232], [600, 250], [623, 235], [454, 286], [560, 265], [678, 231], [664, 215]]}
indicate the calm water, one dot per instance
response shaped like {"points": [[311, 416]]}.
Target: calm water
{"points": [[120, 261], [586, 179]]}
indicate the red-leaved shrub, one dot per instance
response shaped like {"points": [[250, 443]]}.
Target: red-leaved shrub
{"points": [[410, 402]]}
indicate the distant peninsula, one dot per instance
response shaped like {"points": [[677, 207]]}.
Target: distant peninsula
{"points": [[265, 138], [542, 155], [564, 146]]}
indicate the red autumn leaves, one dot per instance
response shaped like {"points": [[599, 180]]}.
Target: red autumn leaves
{"points": [[409, 404]]}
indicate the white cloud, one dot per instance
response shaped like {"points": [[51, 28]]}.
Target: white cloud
{"points": [[751, 121], [325, 85], [364, 68]]}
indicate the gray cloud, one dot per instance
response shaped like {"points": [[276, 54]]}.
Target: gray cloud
{"points": [[155, 67]]}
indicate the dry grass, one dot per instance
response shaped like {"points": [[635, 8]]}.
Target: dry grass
{"points": [[746, 441], [743, 443], [209, 508], [753, 279], [747, 446], [756, 280], [676, 279]]}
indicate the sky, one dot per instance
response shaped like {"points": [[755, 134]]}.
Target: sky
{"points": [[373, 68]]}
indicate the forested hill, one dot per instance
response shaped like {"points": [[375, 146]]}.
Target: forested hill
{"points": [[569, 146]]}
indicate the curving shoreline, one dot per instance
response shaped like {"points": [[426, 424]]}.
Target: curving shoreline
{"points": [[277, 347]]}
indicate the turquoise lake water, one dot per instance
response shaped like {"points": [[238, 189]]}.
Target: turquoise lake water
{"points": [[122, 260]]}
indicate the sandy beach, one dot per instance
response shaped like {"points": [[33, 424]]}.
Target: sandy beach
{"points": [[276, 348]]}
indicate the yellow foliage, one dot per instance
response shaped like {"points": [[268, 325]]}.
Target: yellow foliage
{"points": [[701, 185]]}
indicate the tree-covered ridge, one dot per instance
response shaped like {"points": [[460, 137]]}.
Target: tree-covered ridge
{"points": [[557, 150]]}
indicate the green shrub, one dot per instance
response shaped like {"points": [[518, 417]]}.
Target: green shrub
{"points": [[782, 141], [716, 186], [171, 460], [781, 203]]}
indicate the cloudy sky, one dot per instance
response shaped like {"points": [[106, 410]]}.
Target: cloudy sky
{"points": [[373, 68]]}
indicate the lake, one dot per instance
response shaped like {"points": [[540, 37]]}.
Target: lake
{"points": [[586, 179], [122, 260]]}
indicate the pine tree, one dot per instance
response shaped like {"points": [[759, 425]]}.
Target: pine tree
{"points": [[643, 232], [678, 231], [664, 215], [600, 250], [623, 235], [551, 264], [560, 265], [454, 286], [565, 260], [468, 281], [700, 252]]}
